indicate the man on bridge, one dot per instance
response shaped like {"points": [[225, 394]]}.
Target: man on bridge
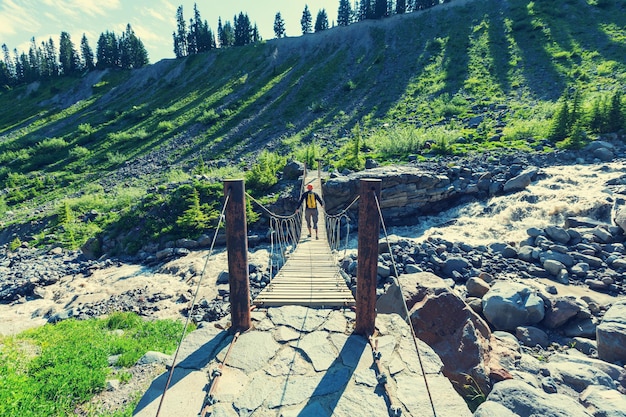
{"points": [[310, 212]]}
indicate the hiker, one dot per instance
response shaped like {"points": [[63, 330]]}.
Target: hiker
{"points": [[310, 212]]}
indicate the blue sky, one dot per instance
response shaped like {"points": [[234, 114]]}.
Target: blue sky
{"points": [[152, 20]]}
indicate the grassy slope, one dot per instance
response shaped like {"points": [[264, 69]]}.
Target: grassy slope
{"points": [[505, 60]]}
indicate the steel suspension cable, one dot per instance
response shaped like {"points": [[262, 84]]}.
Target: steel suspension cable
{"points": [[406, 309], [193, 303]]}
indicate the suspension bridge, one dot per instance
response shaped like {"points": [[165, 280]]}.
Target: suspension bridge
{"points": [[311, 276], [305, 346]]}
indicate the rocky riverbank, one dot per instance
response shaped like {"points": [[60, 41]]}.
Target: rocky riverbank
{"points": [[545, 311]]}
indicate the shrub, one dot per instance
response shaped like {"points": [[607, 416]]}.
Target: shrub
{"points": [[209, 117], [165, 126], [15, 243], [263, 174], [79, 152]]}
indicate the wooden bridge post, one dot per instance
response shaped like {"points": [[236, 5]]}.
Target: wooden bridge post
{"points": [[237, 247], [367, 269]]}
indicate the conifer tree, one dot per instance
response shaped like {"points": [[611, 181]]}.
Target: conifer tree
{"points": [[180, 36], [8, 63], [5, 77], [380, 9], [615, 117], [321, 22], [243, 29], [50, 54], [68, 56], [560, 123], [86, 54], [344, 13], [400, 6], [256, 36], [306, 22], [279, 26], [107, 51], [225, 34]]}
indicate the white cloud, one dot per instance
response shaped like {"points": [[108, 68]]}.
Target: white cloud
{"points": [[154, 13], [76, 8], [14, 18]]}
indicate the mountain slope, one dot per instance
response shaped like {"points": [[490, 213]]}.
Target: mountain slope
{"points": [[487, 71]]}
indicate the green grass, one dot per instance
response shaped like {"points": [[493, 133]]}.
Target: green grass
{"points": [[50, 370]]}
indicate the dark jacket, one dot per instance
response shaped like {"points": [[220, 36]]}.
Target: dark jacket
{"points": [[314, 197]]}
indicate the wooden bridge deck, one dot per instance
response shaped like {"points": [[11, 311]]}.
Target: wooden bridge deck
{"points": [[310, 277]]}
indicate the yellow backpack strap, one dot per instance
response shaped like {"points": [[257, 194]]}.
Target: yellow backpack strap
{"points": [[310, 201]]}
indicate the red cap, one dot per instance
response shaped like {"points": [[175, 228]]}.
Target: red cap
{"points": [[309, 187]]}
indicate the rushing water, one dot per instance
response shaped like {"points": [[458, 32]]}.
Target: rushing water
{"points": [[564, 191]]}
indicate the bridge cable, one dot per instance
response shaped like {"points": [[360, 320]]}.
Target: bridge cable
{"points": [[333, 226], [406, 309], [286, 230], [193, 303]]}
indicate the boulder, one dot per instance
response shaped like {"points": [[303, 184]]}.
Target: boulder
{"points": [[509, 305], [522, 399], [293, 170], [520, 181], [603, 401], [620, 217], [446, 323], [559, 311], [611, 334]]}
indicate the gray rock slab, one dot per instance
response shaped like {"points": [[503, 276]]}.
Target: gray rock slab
{"points": [[289, 361], [336, 322], [252, 351], [298, 389], [352, 349], [201, 346], [525, 400], [298, 317], [284, 334], [256, 392], [184, 396], [306, 363], [604, 401], [231, 384], [417, 398], [319, 349], [359, 399]]}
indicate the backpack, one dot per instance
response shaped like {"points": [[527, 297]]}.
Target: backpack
{"points": [[310, 200]]}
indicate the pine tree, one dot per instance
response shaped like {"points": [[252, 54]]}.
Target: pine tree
{"points": [[180, 36], [226, 34], [279, 26], [87, 54], [321, 22], [243, 29], [344, 13], [68, 56], [615, 117], [366, 11], [50, 56], [5, 77], [380, 9], [256, 36], [107, 51], [132, 52], [306, 22], [9, 64], [560, 123], [400, 6]]}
